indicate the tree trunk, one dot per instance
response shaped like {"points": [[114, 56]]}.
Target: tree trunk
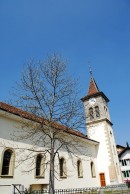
{"points": [[51, 178]]}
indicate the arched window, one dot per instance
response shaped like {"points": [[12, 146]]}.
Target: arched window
{"points": [[8, 163], [97, 112], [93, 173], [91, 113], [40, 166], [79, 169], [63, 170]]}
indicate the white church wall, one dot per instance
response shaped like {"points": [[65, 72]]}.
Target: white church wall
{"points": [[72, 180], [96, 132], [89, 151], [107, 156], [113, 152], [7, 128]]}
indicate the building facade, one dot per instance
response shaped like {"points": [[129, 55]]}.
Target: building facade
{"points": [[124, 158], [20, 164], [95, 163]]}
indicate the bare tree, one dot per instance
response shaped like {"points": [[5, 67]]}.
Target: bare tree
{"points": [[52, 97]]}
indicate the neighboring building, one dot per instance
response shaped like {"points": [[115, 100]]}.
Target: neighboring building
{"points": [[124, 157], [96, 163], [119, 148]]}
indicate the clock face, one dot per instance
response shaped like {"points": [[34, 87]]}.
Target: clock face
{"points": [[92, 101]]}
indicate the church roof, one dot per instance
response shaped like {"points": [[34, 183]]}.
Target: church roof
{"points": [[26, 115], [93, 88]]}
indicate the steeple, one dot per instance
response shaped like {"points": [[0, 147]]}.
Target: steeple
{"points": [[96, 104], [93, 88], [99, 128]]}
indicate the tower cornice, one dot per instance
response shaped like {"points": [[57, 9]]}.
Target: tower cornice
{"points": [[100, 120], [95, 95]]}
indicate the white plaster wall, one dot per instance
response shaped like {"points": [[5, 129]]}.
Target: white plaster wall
{"points": [[97, 133], [72, 180], [8, 126], [114, 153], [125, 155], [107, 150]]}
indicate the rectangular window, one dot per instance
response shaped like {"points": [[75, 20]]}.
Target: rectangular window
{"points": [[124, 174], [122, 161], [125, 163], [127, 173]]}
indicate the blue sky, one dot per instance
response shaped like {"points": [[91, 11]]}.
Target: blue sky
{"points": [[81, 31]]}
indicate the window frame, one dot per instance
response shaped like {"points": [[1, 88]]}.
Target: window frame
{"points": [[93, 171], [97, 112], [91, 114], [79, 169], [11, 163], [63, 168], [42, 166]]}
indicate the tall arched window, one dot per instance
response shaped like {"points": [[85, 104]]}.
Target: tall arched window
{"points": [[62, 166], [93, 173], [91, 113], [40, 166], [79, 169], [97, 112], [8, 163]]}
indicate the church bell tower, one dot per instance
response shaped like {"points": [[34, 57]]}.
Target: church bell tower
{"points": [[99, 128]]}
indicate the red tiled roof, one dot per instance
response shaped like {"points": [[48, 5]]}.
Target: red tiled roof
{"points": [[23, 114], [93, 88], [16, 111]]}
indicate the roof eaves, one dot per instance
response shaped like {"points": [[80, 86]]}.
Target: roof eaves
{"points": [[26, 115]]}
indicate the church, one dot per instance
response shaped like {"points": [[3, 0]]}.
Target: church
{"points": [[95, 164]]}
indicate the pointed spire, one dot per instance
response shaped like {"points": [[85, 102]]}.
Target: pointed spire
{"points": [[93, 88]]}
